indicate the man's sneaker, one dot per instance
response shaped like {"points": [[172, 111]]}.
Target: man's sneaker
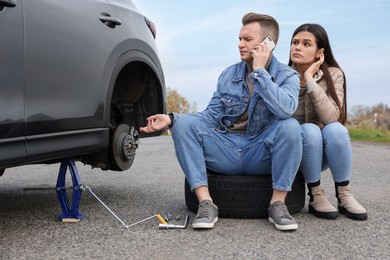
{"points": [[207, 215], [278, 215]]}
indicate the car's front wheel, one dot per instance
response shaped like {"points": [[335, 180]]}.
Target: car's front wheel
{"points": [[124, 141]]}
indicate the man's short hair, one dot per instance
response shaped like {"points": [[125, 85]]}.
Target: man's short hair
{"points": [[268, 24]]}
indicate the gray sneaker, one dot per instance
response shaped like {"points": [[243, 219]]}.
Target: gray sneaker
{"points": [[207, 215], [278, 215]]}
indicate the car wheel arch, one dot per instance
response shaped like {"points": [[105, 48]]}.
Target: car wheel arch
{"points": [[136, 90], [132, 70]]}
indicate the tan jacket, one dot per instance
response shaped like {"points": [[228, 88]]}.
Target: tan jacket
{"points": [[320, 108]]}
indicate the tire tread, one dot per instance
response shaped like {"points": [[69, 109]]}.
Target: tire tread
{"points": [[238, 196]]}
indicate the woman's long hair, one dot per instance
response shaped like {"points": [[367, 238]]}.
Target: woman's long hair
{"points": [[322, 41]]}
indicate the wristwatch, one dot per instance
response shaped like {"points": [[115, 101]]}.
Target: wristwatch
{"points": [[172, 118]]}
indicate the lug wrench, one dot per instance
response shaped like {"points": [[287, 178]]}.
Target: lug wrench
{"points": [[158, 216], [173, 226]]}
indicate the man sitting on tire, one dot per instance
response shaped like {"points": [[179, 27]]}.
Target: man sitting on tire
{"points": [[247, 127]]}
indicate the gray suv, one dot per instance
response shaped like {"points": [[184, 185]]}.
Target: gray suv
{"points": [[77, 79]]}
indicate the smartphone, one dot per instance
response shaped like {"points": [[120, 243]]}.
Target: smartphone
{"points": [[270, 43]]}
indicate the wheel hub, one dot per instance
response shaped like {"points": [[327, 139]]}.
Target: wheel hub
{"points": [[125, 140], [130, 143], [129, 146]]}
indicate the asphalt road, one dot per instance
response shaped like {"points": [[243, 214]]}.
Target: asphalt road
{"points": [[30, 228]]}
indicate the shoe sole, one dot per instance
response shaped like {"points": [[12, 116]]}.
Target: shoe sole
{"points": [[205, 225], [283, 227], [325, 215], [362, 216]]}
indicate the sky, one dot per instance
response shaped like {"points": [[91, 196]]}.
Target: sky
{"points": [[196, 40]]}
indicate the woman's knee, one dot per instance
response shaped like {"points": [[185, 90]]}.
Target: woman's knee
{"points": [[336, 133], [335, 129], [311, 134]]}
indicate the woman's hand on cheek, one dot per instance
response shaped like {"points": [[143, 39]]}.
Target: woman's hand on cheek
{"points": [[314, 67]]}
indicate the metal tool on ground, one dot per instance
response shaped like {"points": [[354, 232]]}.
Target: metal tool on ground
{"points": [[174, 226], [158, 216]]}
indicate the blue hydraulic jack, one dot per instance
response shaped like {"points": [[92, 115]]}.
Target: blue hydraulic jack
{"points": [[69, 214]]}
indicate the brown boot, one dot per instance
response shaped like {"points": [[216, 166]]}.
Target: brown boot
{"points": [[319, 205], [347, 203]]}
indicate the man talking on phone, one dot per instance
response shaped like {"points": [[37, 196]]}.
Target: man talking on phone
{"points": [[246, 128]]}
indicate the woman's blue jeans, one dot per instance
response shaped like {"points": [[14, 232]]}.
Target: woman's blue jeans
{"points": [[329, 147], [277, 150]]}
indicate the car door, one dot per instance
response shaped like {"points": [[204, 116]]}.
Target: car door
{"points": [[68, 54], [12, 116], [67, 47]]}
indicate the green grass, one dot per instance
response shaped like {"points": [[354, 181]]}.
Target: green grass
{"points": [[369, 134]]}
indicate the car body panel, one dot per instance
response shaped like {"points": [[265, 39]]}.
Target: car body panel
{"points": [[67, 59], [62, 69], [12, 116]]}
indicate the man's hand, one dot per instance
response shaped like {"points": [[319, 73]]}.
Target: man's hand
{"points": [[156, 123], [260, 54]]}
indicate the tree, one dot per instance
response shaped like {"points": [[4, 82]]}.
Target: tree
{"points": [[377, 116], [177, 103]]}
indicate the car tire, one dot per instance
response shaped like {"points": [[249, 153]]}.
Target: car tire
{"points": [[124, 142], [246, 197]]}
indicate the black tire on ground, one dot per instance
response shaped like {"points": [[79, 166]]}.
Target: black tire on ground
{"points": [[246, 196]]}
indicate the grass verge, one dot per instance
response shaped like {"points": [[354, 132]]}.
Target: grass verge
{"points": [[369, 134]]}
